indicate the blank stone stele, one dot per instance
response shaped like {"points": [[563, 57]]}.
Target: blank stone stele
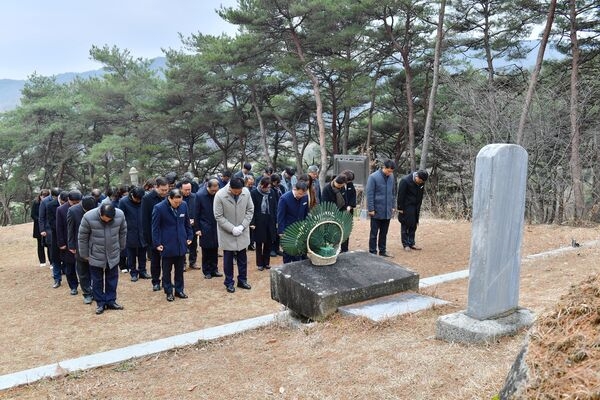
{"points": [[495, 262]]}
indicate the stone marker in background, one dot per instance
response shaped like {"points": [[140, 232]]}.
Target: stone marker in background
{"points": [[494, 271]]}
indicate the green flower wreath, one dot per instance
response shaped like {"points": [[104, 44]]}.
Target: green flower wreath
{"points": [[325, 239]]}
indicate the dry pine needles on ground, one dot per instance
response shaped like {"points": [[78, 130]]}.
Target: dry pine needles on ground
{"points": [[564, 349]]}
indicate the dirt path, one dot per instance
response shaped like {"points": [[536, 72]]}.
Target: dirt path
{"points": [[341, 358]]}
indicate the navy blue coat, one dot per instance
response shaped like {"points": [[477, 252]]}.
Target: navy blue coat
{"points": [[205, 221], [171, 228], [290, 210], [380, 193], [133, 216]]}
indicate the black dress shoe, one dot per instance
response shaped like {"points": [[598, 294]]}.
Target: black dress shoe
{"points": [[267, 267], [244, 285], [155, 287], [170, 297], [230, 289], [181, 295], [145, 275], [216, 274], [56, 284], [384, 254], [251, 247], [208, 276], [134, 278], [114, 306], [99, 310]]}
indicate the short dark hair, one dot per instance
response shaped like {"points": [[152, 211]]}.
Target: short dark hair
{"points": [[341, 179], [160, 181], [88, 202], [75, 195], [236, 183], [349, 175], [265, 181], [212, 182], [107, 210], [247, 166], [301, 185], [171, 177], [137, 192], [275, 178], [175, 193], [389, 164], [226, 173], [423, 175]]}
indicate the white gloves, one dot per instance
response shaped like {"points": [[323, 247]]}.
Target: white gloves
{"points": [[237, 230]]}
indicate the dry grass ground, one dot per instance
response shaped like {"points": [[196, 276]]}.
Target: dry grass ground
{"points": [[342, 358]]}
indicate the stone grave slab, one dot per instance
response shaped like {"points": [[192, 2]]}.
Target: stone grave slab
{"points": [[316, 292], [391, 306]]}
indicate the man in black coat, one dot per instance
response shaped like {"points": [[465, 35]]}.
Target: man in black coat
{"points": [[57, 264], [74, 216], [410, 197], [45, 227], [131, 205], [152, 198], [205, 227], [62, 237], [190, 199]]}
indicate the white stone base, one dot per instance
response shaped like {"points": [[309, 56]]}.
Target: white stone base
{"points": [[459, 327]]}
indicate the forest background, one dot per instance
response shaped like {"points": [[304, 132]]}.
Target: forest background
{"points": [[426, 84]]}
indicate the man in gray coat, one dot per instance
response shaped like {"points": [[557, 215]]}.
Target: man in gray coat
{"points": [[233, 209], [102, 236]]}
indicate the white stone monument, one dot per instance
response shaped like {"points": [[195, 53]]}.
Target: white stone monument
{"points": [[495, 263]]}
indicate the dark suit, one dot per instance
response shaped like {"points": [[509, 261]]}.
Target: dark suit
{"points": [[57, 265], [206, 224], [410, 197], [193, 247], [62, 237], [35, 216], [148, 202], [74, 216], [136, 244]]}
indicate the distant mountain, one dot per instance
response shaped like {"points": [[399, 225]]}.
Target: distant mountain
{"points": [[10, 89]]}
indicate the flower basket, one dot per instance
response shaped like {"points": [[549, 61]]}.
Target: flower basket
{"points": [[328, 253]]}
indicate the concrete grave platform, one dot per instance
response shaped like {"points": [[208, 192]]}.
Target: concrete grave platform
{"points": [[316, 292], [391, 306], [459, 327]]}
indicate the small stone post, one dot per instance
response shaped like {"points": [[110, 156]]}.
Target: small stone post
{"points": [[133, 175], [495, 263]]}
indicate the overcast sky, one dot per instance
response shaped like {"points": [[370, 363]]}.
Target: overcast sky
{"points": [[52, 37]]}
